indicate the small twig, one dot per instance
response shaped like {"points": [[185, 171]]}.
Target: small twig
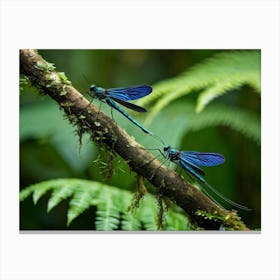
{"points": [[204, 212]]}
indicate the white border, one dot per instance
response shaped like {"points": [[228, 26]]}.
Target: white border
{"points": [[153, 24]]}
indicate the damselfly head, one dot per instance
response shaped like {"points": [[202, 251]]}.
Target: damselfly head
{"points": [[92, 87], [166, 148]]}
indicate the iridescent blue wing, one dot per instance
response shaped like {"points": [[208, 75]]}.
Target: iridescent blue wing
{"points": [[201, 159], [130, 93], [129, 105], [193, 170], [191, 161]]}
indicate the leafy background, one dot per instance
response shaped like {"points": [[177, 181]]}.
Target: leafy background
{"points": [[205, 100]]}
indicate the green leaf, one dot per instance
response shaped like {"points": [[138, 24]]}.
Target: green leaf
{"points": [[237, 119], [25, 193], [108, 214], [214, 77], [176, 220], [57, 196], [45, 121], [82, 199], [181, 118], [111, 203], [39, 192], [130, 223], [148, 215]]}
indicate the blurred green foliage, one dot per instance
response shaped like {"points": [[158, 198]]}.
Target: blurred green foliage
{"points": [[229, 125], [112, 205]]}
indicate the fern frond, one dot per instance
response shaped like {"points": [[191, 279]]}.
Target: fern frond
{"points": [[39, 192], [237, 119], [129, 222], [82, 199], [111, 203], [173, 221], [214, 77], [108, 214], [183, 116], [26, 193], [57, 196], [148, 213]]}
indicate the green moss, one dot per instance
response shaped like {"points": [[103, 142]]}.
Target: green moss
{"points": [[63, 78], [45, 66], [230, 221]]}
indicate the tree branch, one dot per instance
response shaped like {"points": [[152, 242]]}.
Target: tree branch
{"points": [[203, 211]]}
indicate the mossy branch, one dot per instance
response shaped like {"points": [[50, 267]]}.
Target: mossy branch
{"points": [[105, 131]]}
